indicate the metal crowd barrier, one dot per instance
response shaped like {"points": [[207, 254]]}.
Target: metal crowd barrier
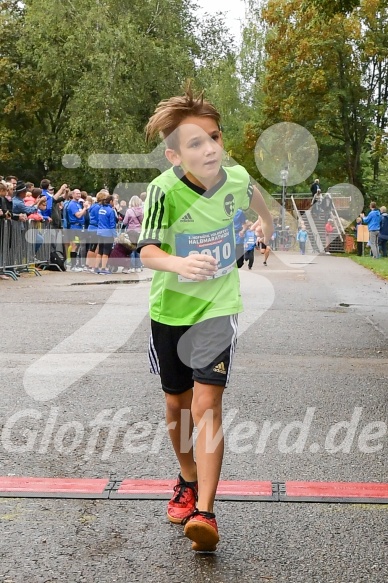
{"points": [[24, 245], [45, 240]]}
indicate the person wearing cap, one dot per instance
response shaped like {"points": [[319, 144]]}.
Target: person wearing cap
{"points": [[20, 210]]}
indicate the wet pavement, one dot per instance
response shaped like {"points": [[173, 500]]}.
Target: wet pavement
{"points": [[77, 400]]}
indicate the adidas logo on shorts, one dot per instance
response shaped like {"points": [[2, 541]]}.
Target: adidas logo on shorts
{"points": [[220, 368], [187, 218]]}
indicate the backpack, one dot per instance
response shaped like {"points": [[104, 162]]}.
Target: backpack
{"points": [[57, 261], [128, 240]]}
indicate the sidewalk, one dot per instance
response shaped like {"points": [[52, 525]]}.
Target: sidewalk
{"points": [[316, 349]]}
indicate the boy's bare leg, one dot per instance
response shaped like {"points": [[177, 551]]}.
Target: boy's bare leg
{"points": [[179, 435], [207, 414], [265, 252]]}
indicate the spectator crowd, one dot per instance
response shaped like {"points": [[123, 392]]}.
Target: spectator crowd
{"points": [[96, 234], [99, 233]]}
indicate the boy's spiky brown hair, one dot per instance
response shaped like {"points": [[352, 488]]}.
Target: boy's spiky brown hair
{"points": [[170, 113]]}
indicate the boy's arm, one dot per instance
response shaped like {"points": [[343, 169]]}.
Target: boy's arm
{"points": [[265, 219], [196, 267]]}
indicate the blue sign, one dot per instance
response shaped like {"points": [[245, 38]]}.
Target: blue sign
{"points": [[218, 244]]}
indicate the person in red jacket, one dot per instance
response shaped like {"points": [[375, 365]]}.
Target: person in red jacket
{"points": [[329, 228]]}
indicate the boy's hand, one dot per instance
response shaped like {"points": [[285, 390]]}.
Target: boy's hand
{"points": [[198, 267]]}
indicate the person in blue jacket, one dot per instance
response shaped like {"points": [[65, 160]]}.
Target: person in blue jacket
{"points": [[46, 191], [106, 232], [75, 223], [383, 236], [302, 237], [92, 236], [373, 222]]}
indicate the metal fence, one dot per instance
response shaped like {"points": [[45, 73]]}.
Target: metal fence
{"points": [[24, 245]]}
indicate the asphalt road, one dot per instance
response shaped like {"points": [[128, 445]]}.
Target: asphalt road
{"points": [[307, 401]]}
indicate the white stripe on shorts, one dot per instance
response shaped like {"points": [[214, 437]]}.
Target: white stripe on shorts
{"points": [[233, 343], [153, 357]]}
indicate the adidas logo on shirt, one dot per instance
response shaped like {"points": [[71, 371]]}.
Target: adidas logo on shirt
{"points": [[220, 368], [187, 218]]}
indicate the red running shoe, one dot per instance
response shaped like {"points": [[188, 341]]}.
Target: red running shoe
{"points": [[201, 528], [182, 504]]}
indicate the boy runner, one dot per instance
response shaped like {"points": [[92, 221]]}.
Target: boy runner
{"points": [[250, 240], [188, 239]]}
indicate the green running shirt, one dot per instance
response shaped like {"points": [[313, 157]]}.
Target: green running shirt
{"points": [[180, 221]]}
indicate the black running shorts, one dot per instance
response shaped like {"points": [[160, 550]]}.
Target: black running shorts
{"points": [[202, 352], [105, 245]]}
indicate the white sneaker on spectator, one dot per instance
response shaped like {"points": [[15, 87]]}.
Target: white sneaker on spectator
{"points": [[138, 270], [132, 270], [78, 269]]}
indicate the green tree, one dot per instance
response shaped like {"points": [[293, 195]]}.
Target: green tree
{"points": [[17, 114], [323, 73], [105, 65], [216, 73], [82, 77]]}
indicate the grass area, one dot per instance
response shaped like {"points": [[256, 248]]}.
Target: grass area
{"points": [[378, 266]]}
